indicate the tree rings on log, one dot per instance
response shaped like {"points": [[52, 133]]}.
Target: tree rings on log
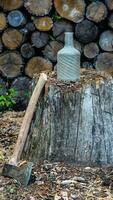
{"points": [[43, 23], [60, 27], [96, 11], [11, 64], [38, 7], [104, 62], [91, 50], [86, 31], [71, 10], [12, 38], [3, 21], [16, 18], [39, 39], [22, 86], [11, 4], [109, 4], [37, 65], [50, 51], [27, 50], [106, 40]]}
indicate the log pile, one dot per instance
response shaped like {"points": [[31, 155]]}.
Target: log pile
{"points": [[32, 32]]}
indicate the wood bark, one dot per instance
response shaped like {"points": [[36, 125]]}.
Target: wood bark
{"points": [[73, 122], [11, 64], [37, 65], [86, 31], [37, 7], [71, 10], [96, 11], [12, 38]]}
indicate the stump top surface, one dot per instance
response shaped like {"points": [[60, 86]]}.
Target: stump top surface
{"points": [[87, 77]]}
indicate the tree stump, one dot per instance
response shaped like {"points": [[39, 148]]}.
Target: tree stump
{"points": [[74, 122]]}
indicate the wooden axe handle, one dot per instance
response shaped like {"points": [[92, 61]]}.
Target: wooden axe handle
{"points": [[27, 120]]}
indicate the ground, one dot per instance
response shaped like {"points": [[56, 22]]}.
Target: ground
{"points": [[50, 181]]}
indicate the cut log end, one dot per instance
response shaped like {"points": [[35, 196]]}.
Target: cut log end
{"points": [[11, 64], [43, 23], [12, 38], [71, 10], [86, 31], [96, 11], [36, 65], [3, 21], [9, 5], [37, 7]]}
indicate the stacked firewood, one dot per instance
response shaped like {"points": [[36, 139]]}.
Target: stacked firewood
{"points": [[32, 32]]}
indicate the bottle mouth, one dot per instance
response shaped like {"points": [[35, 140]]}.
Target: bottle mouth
{"points": [[69, 33]]}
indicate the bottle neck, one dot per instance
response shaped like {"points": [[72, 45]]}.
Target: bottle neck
{"points": [[69, 39]]}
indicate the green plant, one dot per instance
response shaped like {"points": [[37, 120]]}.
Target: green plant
{"points": [[7, 100], [55, 16]]}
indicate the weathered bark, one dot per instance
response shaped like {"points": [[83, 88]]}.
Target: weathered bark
{"points": [[39, 39], [86, 31], [10, 4], [73, 122], [50, 51], [104, 62], [3, 21], [38, 7], [72, 10], [27, 50], [11, 64], [91, 50], [96, 11], [61, 26], [37, 65], [43, 23], [12, 38], [106, 40]]}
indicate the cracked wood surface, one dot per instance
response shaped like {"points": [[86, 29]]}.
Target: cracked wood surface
{"points": [[74, 125]]}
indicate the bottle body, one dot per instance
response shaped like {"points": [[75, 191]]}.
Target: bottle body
{"points": [[68, 61]]}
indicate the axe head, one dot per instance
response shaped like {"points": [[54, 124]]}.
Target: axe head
{"points": [[20, 173]]}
